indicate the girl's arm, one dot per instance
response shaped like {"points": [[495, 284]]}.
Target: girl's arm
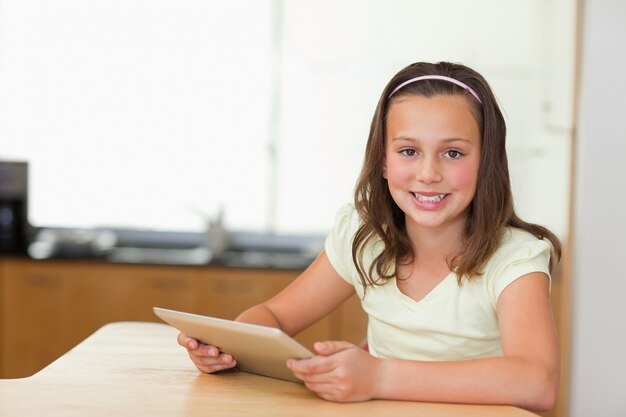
{"points": [[309, 298], [526, 376]]}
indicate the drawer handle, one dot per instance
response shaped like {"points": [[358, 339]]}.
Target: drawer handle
{"points": [[231, 287], [169, 284], [43, 281]]}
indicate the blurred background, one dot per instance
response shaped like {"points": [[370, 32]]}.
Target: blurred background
{"points": [[156, 114], [173, 124]]}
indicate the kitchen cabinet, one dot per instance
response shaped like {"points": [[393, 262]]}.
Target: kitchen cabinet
{"points": [[47, 307]]}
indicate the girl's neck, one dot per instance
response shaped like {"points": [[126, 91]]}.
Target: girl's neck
{"points": [[436, 243]]}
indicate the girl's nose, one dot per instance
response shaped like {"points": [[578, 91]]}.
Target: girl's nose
{"points": [[429, 170]]}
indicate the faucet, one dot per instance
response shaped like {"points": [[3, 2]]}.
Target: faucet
{"points": [[216, 239]]}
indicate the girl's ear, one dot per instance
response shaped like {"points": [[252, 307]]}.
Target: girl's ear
{"points": [[385, 168]]}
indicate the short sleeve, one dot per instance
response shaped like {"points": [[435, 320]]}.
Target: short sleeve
{"points": [[521, 258], [338, 244]]}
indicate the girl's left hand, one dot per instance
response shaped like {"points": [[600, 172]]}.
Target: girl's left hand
{"points": [[341, 372]]}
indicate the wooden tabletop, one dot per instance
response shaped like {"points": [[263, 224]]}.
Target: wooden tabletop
{"points": [[137, 369]]}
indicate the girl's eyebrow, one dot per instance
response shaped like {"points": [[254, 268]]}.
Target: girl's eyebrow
{"points": [[446, 140]]}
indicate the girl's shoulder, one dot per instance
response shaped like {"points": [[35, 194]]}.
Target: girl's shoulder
{"points": [[347, 221], [347, 216], [338, 243], [514, 240], [520, 252], [518, 247]]}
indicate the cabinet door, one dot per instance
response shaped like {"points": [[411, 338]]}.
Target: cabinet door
{"points": [[226, 292], [34, 316], [156, 286], [2, 264], [113, 292]]}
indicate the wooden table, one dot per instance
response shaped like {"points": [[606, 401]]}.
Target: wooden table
{"points": [[137, 369]]}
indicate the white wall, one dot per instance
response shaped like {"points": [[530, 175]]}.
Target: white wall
{"points": [[168, 108], [599, 299]]}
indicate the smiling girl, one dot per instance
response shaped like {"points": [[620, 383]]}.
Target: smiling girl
{"points": [[455, 284]]}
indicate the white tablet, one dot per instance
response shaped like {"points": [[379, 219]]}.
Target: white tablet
{"points": [[257, 349]]}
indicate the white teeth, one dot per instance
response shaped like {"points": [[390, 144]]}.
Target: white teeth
{"points": [[431, 199]]}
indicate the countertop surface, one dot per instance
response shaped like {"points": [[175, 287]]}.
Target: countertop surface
{"points": [[138, 369]]}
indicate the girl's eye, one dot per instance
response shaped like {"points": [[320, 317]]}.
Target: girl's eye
{"points": [[453, 154], [408, 152]]}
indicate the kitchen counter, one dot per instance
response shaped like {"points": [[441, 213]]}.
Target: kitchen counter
{"points": [[234, 249]]}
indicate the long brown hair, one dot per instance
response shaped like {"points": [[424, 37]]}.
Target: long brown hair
{"points": [[491, 209]]}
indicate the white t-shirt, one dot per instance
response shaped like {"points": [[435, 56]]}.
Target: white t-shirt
{"points": [[451, 322]]}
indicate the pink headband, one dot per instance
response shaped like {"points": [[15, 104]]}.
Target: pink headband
{"points": [[437, 77]]}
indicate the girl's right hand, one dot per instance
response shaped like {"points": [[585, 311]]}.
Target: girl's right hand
{"points": [[207, 358]]}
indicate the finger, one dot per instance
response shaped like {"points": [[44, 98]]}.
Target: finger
{"points": [[209, 355], [203, 352], [328, 396], [226, 358], [209, 369], [318, 387], [314, 377], [187, 342], [332, 346], [322, 390], [314, 365], [211, 362]]}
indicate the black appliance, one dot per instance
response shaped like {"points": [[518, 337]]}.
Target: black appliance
{"points": [[14, 225]]}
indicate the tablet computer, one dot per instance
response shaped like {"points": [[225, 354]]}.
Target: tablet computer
{"points": [[257, 349]]}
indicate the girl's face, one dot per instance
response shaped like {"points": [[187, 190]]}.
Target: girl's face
{"points": [[432, 155]]}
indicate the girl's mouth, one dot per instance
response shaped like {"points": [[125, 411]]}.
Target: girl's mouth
{"points": [[436, 198]]}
